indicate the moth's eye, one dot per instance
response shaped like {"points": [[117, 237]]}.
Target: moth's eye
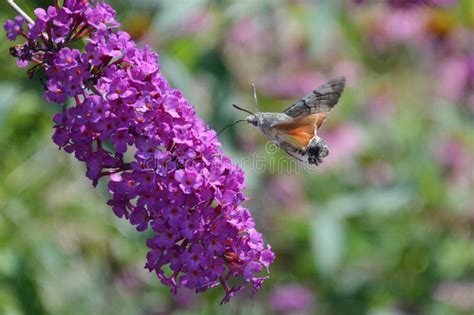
{"points": [[255, 123]]}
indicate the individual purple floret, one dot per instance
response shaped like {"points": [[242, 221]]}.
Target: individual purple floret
{"points": [[14, 28], [165, 171]]}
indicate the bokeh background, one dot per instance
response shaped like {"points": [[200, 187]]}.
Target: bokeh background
{"points": [[384, 227]]}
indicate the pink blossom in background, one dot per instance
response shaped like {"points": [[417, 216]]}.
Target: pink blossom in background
{"points": [[381, 106], [345, 143], [285, 191], [195, 22], [470, 83], [352, 70], [291, 85], [129, 280], [470, 69], [292, 298], [380, 173], [185, 298], [456, 159], [445, 3], [470, 101], [413, 3], [404, 26], [453, 74], [459, 294], [248, 33], [388, 27]]}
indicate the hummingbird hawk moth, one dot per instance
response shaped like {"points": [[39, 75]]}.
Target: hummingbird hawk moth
{"points": [[295, 129]]}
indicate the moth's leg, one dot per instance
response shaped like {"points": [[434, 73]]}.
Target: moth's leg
{"points": [[294, 156], [286, 146], [290, 150], [312, 159]]}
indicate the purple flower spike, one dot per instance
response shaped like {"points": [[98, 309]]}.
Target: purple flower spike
{"points": [[178, 184]]}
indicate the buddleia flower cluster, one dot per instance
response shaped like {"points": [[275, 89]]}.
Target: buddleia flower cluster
{"points": [[163, 165]]}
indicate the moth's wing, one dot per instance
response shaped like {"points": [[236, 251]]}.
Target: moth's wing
{"points": [[320, 100], [299, 132]]}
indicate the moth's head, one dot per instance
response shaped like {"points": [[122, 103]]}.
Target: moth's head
{"points": [[322, 148], [317, 150], [252, 119]]}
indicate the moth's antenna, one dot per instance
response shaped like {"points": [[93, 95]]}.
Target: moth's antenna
{"points": [[243, 109], [254, 90], [233, 124]]}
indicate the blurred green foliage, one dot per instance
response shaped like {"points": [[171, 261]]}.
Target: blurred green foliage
{"points": [[385, 226]]}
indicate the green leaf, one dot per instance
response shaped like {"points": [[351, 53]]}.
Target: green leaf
{"points": [[328, 242], [8, 95]]}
